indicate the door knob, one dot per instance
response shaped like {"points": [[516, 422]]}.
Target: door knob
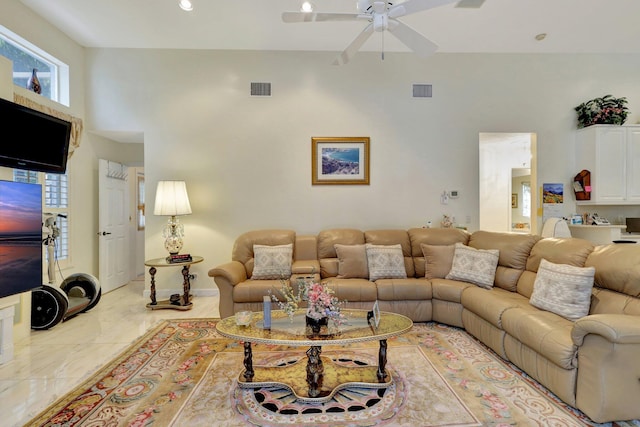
{"points": [[104, 233]]}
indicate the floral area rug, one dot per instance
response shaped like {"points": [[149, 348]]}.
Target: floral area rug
{"points": [[182, 373]]}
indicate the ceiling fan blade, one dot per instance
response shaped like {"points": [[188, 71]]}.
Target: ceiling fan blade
{"points": [[290, 17], [412, 39], [412, 6], [355, 45]]}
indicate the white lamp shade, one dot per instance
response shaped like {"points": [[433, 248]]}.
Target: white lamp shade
{"points": [[172, 198]]}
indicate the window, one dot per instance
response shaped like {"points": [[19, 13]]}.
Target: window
{"points": [[140, 203], [53, 74], [526, 199], [56, 202], [28, 177]]}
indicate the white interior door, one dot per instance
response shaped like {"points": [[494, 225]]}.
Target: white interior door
{"points": [[113, 225]]}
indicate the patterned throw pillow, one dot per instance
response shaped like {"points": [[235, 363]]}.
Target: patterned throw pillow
{"points": [[438, 260], [272, 262], [563, 289], [352, 261], [385, 262], [477, 266]]}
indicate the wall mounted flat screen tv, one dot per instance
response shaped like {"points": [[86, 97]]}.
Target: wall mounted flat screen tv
{"points": [[20, 237], [38, 141]]}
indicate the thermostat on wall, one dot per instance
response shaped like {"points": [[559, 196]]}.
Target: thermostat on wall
{"points": [[453, 194]]}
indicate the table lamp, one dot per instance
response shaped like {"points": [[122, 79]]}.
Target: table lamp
{"points": [[172, 200]]}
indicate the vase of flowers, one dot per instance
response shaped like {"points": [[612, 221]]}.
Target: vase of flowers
{"points": [[291, 296], [316, 324], [606, 110], [322, 304]]}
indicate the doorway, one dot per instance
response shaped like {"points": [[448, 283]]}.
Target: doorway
{"points": [[507, 181]]}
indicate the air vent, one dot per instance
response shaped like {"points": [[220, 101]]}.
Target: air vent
{"points": [[470, 4], [422, 91], [260, 89]]}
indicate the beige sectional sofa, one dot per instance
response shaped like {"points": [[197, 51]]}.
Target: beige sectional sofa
{"points": [[591, 362]]}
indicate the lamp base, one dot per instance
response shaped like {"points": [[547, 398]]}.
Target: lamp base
{"points": [[173, 233], [173, 244]]}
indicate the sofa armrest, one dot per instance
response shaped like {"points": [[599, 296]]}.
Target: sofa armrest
{"points": [[616, 328], [608, 381], [305, 266], [234, 272], [226, 277]]}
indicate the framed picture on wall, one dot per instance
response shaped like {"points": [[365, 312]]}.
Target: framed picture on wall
{"points": [[514, 200], [342, 160]]}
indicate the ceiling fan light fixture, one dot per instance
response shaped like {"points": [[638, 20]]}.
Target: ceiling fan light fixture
{"points": [[306, 7], [185, 5]]}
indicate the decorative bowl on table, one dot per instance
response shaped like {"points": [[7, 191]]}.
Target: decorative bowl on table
{"points": [[243, 318]]}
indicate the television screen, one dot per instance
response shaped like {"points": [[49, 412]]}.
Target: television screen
{"points": [[20, 237], [38, 141]]}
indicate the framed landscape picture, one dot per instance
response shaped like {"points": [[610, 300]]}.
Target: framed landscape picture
{"points": [[342, 160]]}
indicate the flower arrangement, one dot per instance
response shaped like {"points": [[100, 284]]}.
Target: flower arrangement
{"points": [[605, 110], [321, 300], [323, 303], [291, 298]]}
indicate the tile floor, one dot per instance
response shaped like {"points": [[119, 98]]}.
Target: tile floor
{"points": [[48, 364]]}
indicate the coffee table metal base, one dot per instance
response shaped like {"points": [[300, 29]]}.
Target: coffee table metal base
{"points": [[317, 380]]}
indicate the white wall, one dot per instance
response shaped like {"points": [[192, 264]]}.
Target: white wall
{"points": [[247, 160]]}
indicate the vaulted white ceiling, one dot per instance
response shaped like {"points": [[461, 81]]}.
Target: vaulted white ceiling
{"points": [[499, 26]]}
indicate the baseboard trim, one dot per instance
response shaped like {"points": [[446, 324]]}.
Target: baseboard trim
{"points": [[166, 293]]}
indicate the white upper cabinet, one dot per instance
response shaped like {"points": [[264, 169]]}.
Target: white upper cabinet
{"points": [[612, 154]]}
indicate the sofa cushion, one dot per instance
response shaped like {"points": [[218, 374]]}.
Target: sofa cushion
{"points": [[514, 252], [448, 290], [243, 246], [477, 266], [491, 304], [570, 251], [385, 262], [438, 260], [410, 289], [393, 237], [272, 262], [544, 332], [327, 240], [563, 289], [432, 236], [617, 268], [254, 290], [353, 290], [352, 262]]}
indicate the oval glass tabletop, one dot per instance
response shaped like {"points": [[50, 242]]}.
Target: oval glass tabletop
{"points": [[293, 331]]}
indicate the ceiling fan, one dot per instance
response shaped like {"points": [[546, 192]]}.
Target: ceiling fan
{"points": [[382, 16]]}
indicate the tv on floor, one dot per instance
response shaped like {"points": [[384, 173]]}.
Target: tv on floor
{"points": [[38, 141], [20, 237]]}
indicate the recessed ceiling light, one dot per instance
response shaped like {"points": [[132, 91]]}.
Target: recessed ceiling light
{"points": [[307, 6], [541, 36], [186, 5]]}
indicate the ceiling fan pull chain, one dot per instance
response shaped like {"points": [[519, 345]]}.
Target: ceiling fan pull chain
{"points": [[382, 53]]}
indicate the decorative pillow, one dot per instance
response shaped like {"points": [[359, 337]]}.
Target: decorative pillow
{"points": [[272, 262], [563, 289], [385, 262], [477, 266], [438, 260], [352, 261]]}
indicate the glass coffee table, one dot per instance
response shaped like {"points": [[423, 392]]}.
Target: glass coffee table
{"points": [[321, 377]]}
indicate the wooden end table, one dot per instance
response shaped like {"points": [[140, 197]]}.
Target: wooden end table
{"points": [[184, 302]]}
